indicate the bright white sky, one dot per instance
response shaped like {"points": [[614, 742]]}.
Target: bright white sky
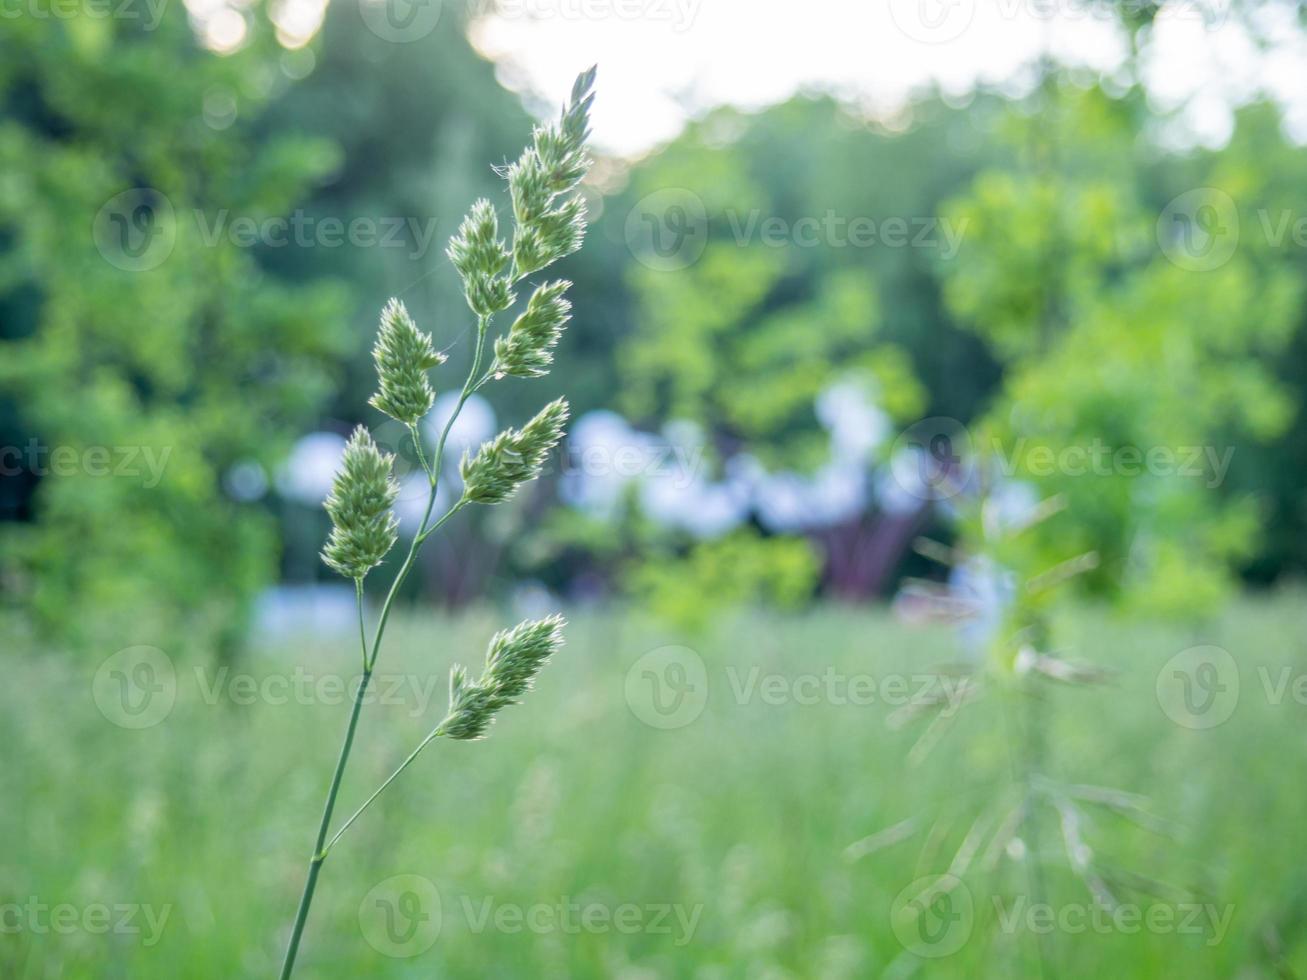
{"points": [[662, 61]]}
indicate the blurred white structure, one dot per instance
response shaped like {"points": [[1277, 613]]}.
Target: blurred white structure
{"points": [[667, 472], [306, 475]]}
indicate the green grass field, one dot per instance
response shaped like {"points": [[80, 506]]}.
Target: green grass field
{"points": [[581, 840]]}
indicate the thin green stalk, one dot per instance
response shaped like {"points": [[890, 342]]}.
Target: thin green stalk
{"points": [[1023, 753], [422, 458], [363, 634], [369, 662], [315, 863], [390, 779]]}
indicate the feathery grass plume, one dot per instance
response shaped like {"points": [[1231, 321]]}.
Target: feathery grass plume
{"points": [[552, 166], [513, 659], [479, 255], [513, 457], [363, 527], [527, 351], [561, 148], [403, 355]]}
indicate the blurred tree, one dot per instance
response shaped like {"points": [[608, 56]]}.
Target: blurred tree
{"points": [[152, 369], [1263, 173], [1136, 358], [781, 252]]}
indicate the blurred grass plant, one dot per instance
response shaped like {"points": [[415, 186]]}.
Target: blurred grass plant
{"points": [[1005, 605]]}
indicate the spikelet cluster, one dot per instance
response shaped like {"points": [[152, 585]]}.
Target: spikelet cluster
{"points": [[479, 255], [528, 349], [403, 355], [551, 167], [363, 528], [513, 659], [513, 457]]}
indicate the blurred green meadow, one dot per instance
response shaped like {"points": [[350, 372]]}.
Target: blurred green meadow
{"points": [[607, 830]]}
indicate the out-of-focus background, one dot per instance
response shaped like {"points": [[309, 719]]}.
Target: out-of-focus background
{"points": [[913, 342]]}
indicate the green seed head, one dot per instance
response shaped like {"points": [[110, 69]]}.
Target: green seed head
{"points": [[479, 255], [403, 355], [551, 236], [527, 351], [513, 457], [513, 660], [552, 166], [363, 527], [560, 147]]}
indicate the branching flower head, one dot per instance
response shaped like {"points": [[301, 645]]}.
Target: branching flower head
{"points": [[527, 351], [561, 147], [478, 254], [403, 355], [513, 659], [552, 166], [513, 457], [363, 528]]}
